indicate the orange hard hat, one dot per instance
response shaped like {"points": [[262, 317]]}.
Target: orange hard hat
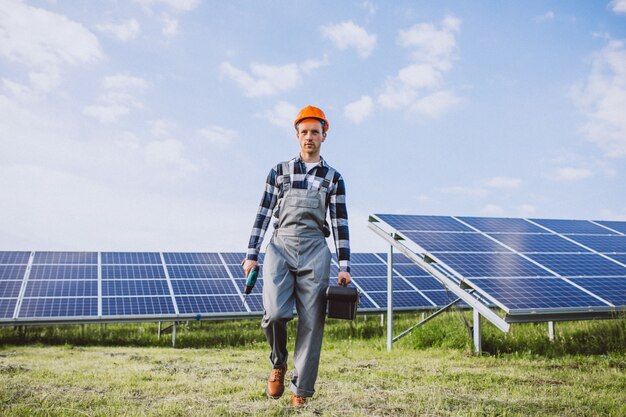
{"points": [[310, 112]]}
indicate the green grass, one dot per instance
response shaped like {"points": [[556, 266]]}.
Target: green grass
{"points": [[220, 368]]}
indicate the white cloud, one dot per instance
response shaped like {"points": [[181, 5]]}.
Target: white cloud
{"points": [[435, 104], [369, 7], [282, 115], [44, 42], [125, 30], [161, 127], [465, 191], [169, 153], [618, 6], [546, 17], [418, 86], [170, 26], [118, 98], [602, 100], [492, 210], [359, 110], [571, 174], [179, 6], [503, 182], [124, 82], [347, 34], [37, 37], [526, 210], [313, 64], [218, 134], [267, 80], [432, 45], [106, 113]]}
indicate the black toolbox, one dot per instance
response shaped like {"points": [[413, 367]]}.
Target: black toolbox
{"points": [[342, 302]]}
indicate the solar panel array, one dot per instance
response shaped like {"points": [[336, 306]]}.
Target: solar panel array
{"points": [[53, 287], [526, 265]]}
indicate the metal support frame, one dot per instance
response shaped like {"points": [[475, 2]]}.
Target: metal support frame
{"points": [[171, 327], [551, 331], [477, 336], [426, 319], [394, 240], [389, 298]]}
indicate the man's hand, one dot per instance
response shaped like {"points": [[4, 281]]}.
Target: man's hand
{"points": [[247, 266], [343, 278]]}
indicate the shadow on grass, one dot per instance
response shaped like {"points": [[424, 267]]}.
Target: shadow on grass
{"points": [[446, 331]]}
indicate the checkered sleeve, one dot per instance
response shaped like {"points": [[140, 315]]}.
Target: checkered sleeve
{"points": [[264, 215], [339, 221]]}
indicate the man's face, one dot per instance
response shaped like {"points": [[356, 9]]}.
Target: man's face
{"points": [[311, 135]]}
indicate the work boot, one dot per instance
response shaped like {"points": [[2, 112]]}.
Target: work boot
{"points": [[297, 401], [276, 382]]}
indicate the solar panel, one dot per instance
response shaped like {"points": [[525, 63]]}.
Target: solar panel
{"points": [[543, 266], [61, 287], [137, 306], [137, 258], [619, 227]]}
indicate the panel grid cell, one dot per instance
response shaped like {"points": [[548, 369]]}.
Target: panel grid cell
{"points": [[572, 226], [423, 223], [137, 306], [492, 265], [137, 258], [401, 299], [368, 270], [124, 287], [602, 244], [204, 286], [192, 258], [235, 258], [132, 271], [454, 242], [535, 293], [12, 272], [14, 257], [380, 284], [615, 225], [197, 271], [63, 272], [66, 258], [7, 307], [61, 288], [612, 289], [502, 225], [546, 243], [10, 289], [59, 307], [579, 265], [210, 305]]}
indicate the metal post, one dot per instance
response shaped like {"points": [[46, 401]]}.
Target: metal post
{"points": [[174, 334], [423, 316], [389, 298], [382, 320], [551, 331], [477, 338], [159, 331]]}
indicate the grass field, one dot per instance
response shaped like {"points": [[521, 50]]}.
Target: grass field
{"points": [[219, 368]]}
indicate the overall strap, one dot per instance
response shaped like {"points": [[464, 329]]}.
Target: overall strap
{"points": [[286, 177], [328, 179]]}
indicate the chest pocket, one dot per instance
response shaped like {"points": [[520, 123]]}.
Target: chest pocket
{"points": [[302, 202]]}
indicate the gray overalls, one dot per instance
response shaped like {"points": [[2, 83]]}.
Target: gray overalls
{"points": [[297, 268]]}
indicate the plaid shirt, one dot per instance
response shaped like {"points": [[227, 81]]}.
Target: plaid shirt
{"points": [[311, 180]]}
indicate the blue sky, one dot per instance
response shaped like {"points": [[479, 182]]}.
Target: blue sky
{"points": [[152, 124]]}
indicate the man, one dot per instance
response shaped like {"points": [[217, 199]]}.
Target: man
{"points": [[298, 194]]}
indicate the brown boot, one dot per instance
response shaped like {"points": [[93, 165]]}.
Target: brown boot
{"points": [[276, 382], [297, 401]]}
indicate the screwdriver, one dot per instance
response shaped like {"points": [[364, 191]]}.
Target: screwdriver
{"points": [[253, 274]]}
